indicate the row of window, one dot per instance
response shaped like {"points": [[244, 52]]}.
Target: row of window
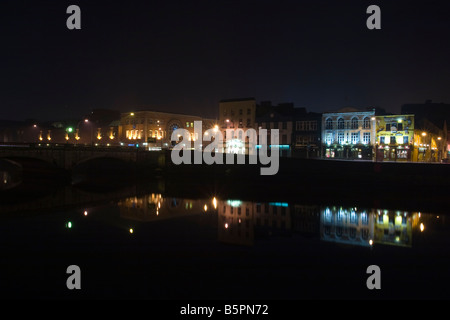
{"points": [[352, 124], [306, 125], [274, 125], [393, 140], [305, 139], [354, 138], [241, 112], [139, 134], [142, 121], [395, 127]]}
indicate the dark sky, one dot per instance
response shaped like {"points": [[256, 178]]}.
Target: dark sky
{"points": [[185, 56]]}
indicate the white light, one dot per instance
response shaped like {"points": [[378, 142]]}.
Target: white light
{"points": [[226, 225], [85, 212]]}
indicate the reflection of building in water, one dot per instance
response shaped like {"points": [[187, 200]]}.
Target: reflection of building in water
{"points": [[240, 221], [235, 222], [152, 207], [361, 227], [393, 227], [350, 226], [306, 220]]}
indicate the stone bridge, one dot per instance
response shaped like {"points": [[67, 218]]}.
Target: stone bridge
{"points": [[69, 156]]}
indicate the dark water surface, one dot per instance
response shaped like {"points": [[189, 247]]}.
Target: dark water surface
{"points": [[155, 246]]}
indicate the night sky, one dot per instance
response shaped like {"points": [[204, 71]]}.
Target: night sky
{"points": [[185, 56]]}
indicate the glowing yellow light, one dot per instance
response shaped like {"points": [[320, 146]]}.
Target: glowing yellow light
{"points": [[132, 114], [205, 207], [215, 203], [422, 227], [131, 230], [370, 242], [424, 134], [216, 128], [439, 138]]}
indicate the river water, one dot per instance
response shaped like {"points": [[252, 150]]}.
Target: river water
{"points": [[156, 246]]}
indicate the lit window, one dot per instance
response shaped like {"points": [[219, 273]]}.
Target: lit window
{"points": [[366, 138], [405, 139], [341, 138], [355, 137]]}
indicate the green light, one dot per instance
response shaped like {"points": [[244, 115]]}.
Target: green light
{"points": [[69, 129], [69, 225]]}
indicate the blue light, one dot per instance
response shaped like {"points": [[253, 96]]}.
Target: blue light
{"points": [[279, 204]]}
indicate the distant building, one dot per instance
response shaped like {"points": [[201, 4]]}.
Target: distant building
{"points": [[348, 133]]}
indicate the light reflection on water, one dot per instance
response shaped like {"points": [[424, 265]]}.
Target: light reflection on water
{"points": [[150, 244], [243, 222]]}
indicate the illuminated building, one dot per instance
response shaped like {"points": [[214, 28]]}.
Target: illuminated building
{"points": [[153, 129], [348, 134], [394, 137], [429, 142], [236, 116], [433, 118]]}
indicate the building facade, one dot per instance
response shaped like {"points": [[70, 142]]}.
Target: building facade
{"points": [[307, 135], [153, 129], [348, 134], [235, 117], [394, 137], [284, 125]]}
